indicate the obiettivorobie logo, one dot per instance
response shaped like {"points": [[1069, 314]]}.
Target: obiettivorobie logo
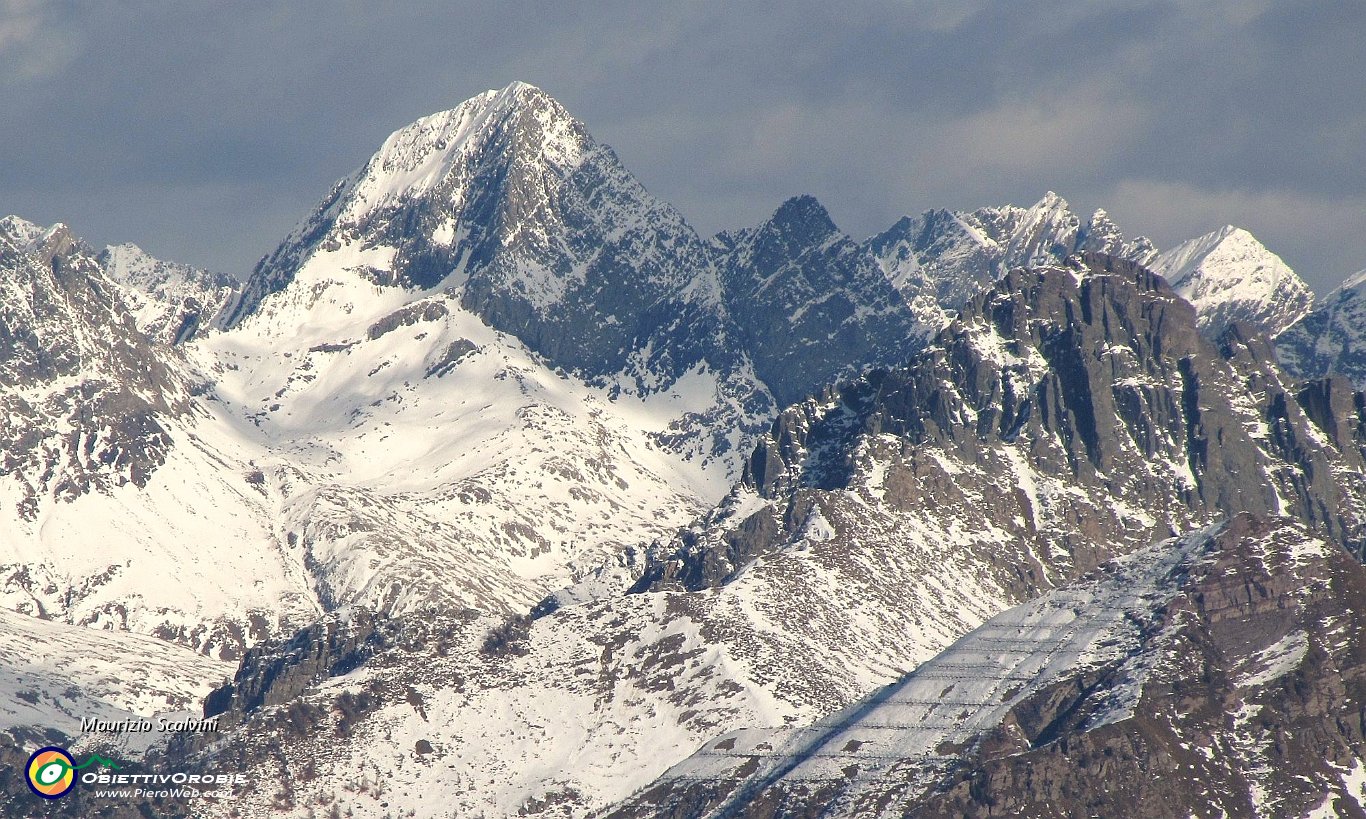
{"points": [[52, 771]]}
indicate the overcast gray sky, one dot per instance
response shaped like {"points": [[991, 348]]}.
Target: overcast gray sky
{"points": [[204, 130]]}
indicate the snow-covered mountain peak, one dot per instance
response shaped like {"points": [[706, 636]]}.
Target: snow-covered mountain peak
{"points": [[1228, 275], [508, 202], [1052, 207], [519, 119], [18, 231], [1185, 257], [128, 263], [800, 225], [1041, 230], [50, 242], [507, 211], [451, 190]]}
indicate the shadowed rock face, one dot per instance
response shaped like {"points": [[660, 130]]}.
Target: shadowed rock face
{"points": [[809, 303], [274, 674], [1090, 389], [81, 388], [1219, 675]]}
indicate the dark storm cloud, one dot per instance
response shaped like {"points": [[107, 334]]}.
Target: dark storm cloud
{"points": [[203, 131]]}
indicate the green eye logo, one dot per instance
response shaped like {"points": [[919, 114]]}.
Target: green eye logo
{"points": [[51, 772]]}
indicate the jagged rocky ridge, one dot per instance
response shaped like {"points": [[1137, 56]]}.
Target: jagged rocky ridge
{"points": [[352, 424], [950, 255], [1066, 414], [828, 572], [1219, 674], [810, 304], [82, 389]]}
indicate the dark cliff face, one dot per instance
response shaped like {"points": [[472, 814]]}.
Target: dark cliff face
{"points": [[809, 303], [631, 269], [1241, 694], [1096, 378], [81, 389], [273, 674]]}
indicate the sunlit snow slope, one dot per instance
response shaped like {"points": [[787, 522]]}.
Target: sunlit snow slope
{"points": [[1216, 674], [128, 498]]}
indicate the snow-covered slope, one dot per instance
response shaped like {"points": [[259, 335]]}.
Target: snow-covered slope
{"points": [[963, 692], [418, 457], [171, 302], [878, 524], [1331, 338], [361, 436], [53, 676], [129, 500], [1205, 653], [486, 363], [1230, 276]]}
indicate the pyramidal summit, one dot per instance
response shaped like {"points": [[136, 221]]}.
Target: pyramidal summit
{"points": [[496, 489]]}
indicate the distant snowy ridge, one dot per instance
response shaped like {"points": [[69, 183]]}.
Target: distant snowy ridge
{"points": [[951, 255], [171, 302], [1332, 338]]}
